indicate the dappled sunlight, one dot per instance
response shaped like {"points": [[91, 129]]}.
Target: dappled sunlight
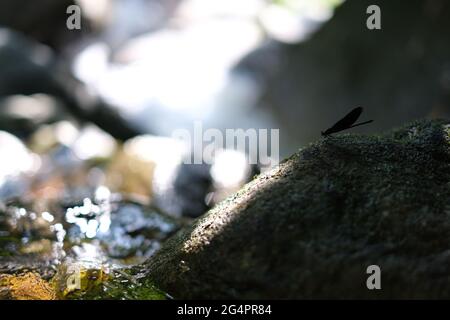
{"points": [[229, 211]]}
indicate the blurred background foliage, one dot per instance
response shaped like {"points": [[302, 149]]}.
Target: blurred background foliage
{"points": [[140, 69], [155, 66]]}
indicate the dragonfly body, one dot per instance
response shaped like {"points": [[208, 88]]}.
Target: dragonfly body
{"points": [[346, 122]]}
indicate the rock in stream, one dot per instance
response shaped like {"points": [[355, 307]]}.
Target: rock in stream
{"points": [[310, 227]]}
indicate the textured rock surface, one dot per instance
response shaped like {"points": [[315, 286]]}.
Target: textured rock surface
{"points": [[311, 227]]}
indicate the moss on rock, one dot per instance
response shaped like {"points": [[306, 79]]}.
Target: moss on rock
{"points": [[27, 286], [310, 227]]}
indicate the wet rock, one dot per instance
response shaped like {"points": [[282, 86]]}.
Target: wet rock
{"points": [[191, 186], [115, 230], [135, 232], [195, 188], [310, 227]]}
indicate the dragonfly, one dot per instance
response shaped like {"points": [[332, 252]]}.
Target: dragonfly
{"points": [[346, 122]]}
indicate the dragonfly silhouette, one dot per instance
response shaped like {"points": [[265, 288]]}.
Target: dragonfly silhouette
{"points": [[346, 122]]}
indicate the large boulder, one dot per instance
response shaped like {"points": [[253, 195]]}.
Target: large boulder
{"points": [[310, 227]]}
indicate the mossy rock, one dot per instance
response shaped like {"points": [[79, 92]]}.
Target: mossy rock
{"points": [[310, 227]]}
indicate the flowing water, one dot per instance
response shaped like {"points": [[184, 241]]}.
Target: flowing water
{"points": [[63, 235]]}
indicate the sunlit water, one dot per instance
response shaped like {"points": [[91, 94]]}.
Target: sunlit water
{"points": [[93, 239]]}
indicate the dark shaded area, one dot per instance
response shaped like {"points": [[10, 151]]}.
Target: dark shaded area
{"points": [[398, 74], [43, 20], [191, 185], [310, 228]]}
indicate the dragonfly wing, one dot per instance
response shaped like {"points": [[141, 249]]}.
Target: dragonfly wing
{"points": [[346, 122]]}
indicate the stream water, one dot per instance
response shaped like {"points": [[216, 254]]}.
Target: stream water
{"points": [[63, 235]]}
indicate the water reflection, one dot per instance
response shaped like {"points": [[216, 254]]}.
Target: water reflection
{"points": [[103, 228], [90, 218]]}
